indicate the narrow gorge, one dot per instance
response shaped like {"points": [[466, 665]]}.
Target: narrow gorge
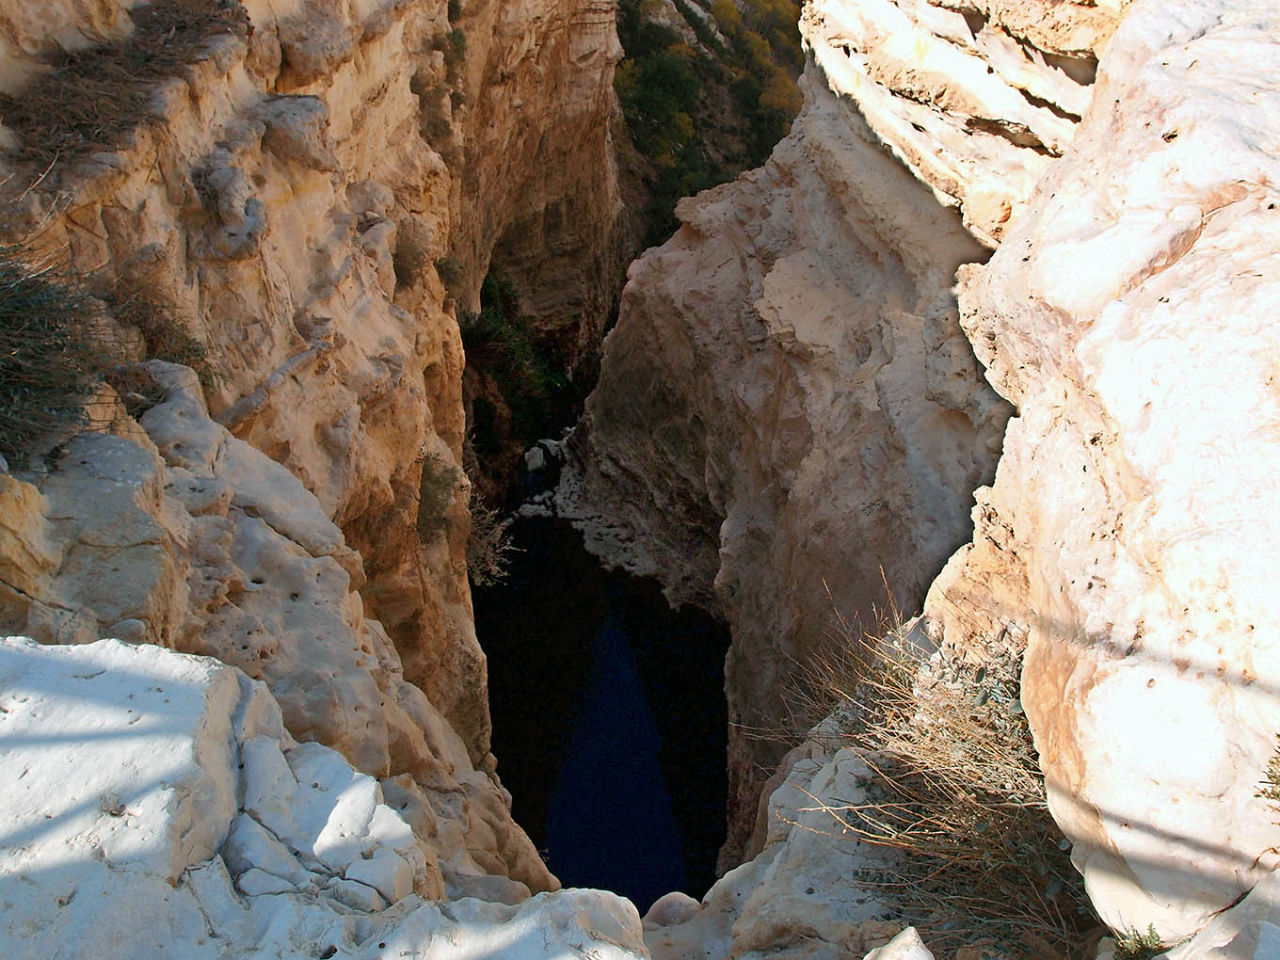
{"points": [[399, 560]]}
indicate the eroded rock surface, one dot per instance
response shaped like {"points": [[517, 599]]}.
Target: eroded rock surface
{"points": [[153, 805], [976, 98], [284, 200], [1131, 531], [812, 891], [173, 532], [788, 414]]}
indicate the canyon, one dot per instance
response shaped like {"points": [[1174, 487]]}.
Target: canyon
{"points": [[978, 362]]}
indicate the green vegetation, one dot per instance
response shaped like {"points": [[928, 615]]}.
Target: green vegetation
{"points": [[528, 374], [1140, 946], [1271, 782], [702, 114], [456, 52], [450, 273]]}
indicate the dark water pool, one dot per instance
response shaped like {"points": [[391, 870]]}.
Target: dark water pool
{"points": [[609, 719]]}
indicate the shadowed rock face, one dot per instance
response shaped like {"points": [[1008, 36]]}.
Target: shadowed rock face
{"points": [[788, 405], [789, 416]]}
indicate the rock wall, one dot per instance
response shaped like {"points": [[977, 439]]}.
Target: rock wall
{"points": [[279, 199], [282, 202], [1130, 533], [168, 529], [789, 418]]}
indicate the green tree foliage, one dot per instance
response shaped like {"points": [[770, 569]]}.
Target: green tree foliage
{"points": [[674, 94], [528, 374]]}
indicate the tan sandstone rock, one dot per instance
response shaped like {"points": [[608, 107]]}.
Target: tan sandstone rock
{"points": [[186, 537], [285, 204]]}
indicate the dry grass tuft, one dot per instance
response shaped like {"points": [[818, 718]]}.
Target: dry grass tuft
{"points": [[50, 355], [155, 318], [91, 99], [957, 790]]}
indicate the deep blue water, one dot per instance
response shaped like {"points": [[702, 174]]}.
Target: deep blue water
{"points": [[609, 719]]}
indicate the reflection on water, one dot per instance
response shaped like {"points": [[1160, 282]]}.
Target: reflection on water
{"points": [[609, 719]]}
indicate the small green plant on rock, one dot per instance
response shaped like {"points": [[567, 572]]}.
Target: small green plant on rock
{"points": [[1270, 789], [1140, 946]]}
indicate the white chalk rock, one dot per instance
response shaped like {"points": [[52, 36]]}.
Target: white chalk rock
{"points": [[257, 883], [386, 872], [905, 946], [1248, 931], [120, 769]]}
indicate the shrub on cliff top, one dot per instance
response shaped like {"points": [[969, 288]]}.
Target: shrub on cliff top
{"points": [[90, 99]]}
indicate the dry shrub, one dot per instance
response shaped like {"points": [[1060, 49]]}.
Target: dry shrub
{"points": [[91, 99], [957, 789], [50, 355], [489, 547], [155, 318], [412, 252]]}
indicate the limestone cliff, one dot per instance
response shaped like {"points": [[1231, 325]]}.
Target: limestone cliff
{"points": [[271, 185], [1128, 537], [789, 417], [1130, 531]]}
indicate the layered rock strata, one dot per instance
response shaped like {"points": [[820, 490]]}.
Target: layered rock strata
{"points": [[789, 418]]}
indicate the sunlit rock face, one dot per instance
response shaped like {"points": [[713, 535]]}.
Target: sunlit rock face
{"points": [[1131, 532], [287, 201], [169, 530], [976, 97], [157, 806]]}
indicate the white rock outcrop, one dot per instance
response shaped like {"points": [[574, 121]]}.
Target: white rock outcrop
{"points": [[152, 805], [1132, 532], [1250, 930], [169, 530], [976, 98], [812, 893]]}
